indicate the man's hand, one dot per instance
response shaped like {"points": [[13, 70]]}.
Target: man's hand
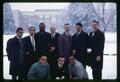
{"points": [[27, 53], [63, 77], [89, 50], [52, 49], [98, 58], [74, 52], [70, 76], [57, 78]]}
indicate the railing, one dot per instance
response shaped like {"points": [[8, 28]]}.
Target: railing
{"points": [[104, 54]]}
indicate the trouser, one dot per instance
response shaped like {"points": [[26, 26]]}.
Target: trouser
{"points": [[29, 61], [97, 74], [97, 69], [20, 73], [20, 77]]}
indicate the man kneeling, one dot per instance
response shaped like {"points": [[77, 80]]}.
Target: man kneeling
{"points": [[40, 70], [59, 69], [76, 69]]}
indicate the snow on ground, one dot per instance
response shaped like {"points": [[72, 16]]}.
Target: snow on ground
{"points": [[109, 64]]}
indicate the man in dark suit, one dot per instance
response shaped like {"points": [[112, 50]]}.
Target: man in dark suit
{"points": [[42, 40], [65, 42], [53, 47], [97, 40], [60, 69], [80, 44], [15, 52], [30, 50]]}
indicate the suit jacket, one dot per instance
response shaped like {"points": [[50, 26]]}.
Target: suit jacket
{"points": [[28, 45], [97, 42], [59, 72], [13, 52], [54, 43], [80, 43], [97, 46], [65, 44], [42, 40], [30, 54]]}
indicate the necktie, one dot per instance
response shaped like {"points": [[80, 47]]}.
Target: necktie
{"points": [[78, 33], [33, 43], [21, 45], [52, 35], [60, 66], [93, 34], [21, 52]]}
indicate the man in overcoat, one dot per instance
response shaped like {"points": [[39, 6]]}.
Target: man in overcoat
{"points": [[15, 53]]}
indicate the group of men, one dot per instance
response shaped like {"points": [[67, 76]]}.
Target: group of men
{"points": [[44, 55]]}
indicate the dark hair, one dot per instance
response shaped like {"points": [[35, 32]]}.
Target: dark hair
{"points": [[41, 24], [95, 21], [61, 57], [19, 28], [71, 56], [79, 24], [42, 55], [66, 24], [31, 27]]}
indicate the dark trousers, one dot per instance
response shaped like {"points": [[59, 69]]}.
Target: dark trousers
{"points": [[30, 59], [20, 77], [20, 73], [97, 74], [97, 69]]}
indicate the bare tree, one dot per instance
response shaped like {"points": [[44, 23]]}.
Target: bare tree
{"points": [[102, 18]]}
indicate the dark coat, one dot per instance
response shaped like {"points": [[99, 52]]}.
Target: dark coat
{"points": [[29, 50], [54, 43], [97, 46], [30, 54], [42, 40], [80, 44], [65, 45], [59, 72], [13, 52]]}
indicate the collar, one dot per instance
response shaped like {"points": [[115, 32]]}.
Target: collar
{"points": [[60, 65], [79, 32], [67, 33], [18, 37], [53, 33], [30, 36]]}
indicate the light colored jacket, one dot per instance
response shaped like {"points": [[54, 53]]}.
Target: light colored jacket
{"points": [[39, 71], [77, 71]]}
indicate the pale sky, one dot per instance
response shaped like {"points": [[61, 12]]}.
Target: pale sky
{"points": [[34, 6]]}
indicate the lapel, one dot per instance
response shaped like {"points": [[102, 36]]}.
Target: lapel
{"points": [[30, 41], [95, 34], [64, 36]]}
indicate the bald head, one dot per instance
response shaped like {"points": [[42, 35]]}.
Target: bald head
{"points": [[53, 29]]}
